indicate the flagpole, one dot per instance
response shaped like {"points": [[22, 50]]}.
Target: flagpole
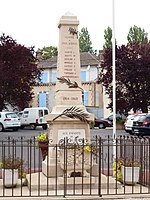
{"points": [[114, 78]]}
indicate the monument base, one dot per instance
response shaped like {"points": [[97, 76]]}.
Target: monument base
{"points": [[74, 131], [39, 182], [51, 169], [53, 183]]}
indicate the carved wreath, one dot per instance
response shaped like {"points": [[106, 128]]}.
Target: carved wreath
{"points": [[73, 31], [70, 84], [74, 112]]}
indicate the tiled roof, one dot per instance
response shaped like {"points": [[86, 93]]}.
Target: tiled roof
{"points": [[49, 63], [85, 59], [88, 58]]}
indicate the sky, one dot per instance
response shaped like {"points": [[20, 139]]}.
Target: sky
{"points": [[35, 22]]}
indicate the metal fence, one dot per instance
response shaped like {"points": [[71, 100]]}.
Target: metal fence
{"points": [[75, 169]]}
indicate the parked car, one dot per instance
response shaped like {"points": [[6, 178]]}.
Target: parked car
{"points": [[130, 119], [34, 117], [118, 116], [9, 120], [102, 123], [141, 126]]}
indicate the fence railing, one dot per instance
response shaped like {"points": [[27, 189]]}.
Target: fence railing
{"points": [[75, 169]]}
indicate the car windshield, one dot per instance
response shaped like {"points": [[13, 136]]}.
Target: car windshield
{"points": [[11, 115], [139, 118]]}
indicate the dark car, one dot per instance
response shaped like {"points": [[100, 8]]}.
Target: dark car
{"points": [[102, 123], [141, 126], [118, 116]]}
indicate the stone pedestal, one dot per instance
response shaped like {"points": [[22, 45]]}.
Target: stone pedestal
{"points": [[72, 129]]}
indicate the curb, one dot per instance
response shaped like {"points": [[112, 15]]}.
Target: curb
{"points": [[107, 197]]}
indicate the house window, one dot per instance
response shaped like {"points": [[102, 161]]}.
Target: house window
{"points": [[42, 99], [44, 77], [53, 77], [85, 98], [83, 76]]}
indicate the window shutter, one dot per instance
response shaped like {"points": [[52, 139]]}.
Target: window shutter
{"points": [[42, 99], [53, 77], [85, 101], [44, 77], [83, 76]]}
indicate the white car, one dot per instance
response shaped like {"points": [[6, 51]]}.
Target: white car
{"points": [[130, 119], [9, 120], [34, 117]]}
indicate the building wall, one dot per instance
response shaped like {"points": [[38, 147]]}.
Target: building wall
{"points": [[106, 101], [93, 92]]}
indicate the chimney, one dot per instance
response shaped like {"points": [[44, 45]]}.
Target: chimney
{"points": [[39, 55]]}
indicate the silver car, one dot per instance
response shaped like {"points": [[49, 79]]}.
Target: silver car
{"points": [[130, 119], [9, 120]]}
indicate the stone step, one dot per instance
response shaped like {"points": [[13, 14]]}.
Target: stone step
{"points": [[40, 181]]}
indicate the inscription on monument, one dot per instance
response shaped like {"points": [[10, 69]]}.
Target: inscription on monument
{"points": [[70, 57], [70, 98], [73, 136]]}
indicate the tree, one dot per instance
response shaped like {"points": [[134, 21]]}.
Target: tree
{"points": [[48, 52], [85, 43], [136, 34], [19, 73], [108, 38], [132, 76]]}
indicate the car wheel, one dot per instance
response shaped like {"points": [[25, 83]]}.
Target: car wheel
{"points": [[128, 131], [33, 126], [1, 127], [102, 126], [44, 126], [15, 129], [131, 132]]}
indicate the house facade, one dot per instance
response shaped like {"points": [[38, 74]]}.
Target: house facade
{"points": [[44, 92]]}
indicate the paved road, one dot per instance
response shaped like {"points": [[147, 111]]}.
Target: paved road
{"points": [[28, 133], [107, 132], [25, 133]]}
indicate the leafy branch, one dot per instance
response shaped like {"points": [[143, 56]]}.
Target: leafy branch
{"points": [[74, 112], [73, 84]]}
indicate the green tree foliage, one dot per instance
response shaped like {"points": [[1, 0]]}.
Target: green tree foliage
{"points": [[132, 76], [136, 34], [48, 52], [108, 38], [18, 73], [85, 43]]}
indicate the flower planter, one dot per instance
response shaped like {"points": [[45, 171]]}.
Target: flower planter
{"points": [[130, 175], [120, 126], [43, 145], [10, 177]]}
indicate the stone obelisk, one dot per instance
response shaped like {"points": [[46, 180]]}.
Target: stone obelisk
{"points": [[68, 92]]}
